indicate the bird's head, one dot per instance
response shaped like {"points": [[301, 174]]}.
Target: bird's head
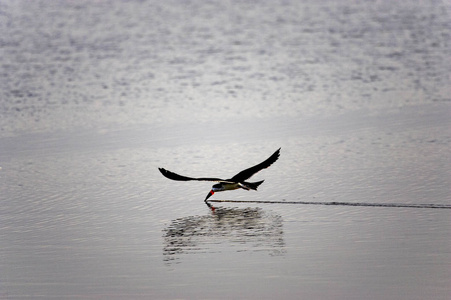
{"points": [[215, 188]]}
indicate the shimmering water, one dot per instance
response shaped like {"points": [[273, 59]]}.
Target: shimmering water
{"points": [[95, 96]]}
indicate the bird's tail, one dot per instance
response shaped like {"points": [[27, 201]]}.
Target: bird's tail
{"points": [[254, 185]]}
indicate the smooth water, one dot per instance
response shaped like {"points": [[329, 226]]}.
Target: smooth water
{"points": [[95, 96]]}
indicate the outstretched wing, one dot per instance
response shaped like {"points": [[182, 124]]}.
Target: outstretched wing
{"points": [[173, 176], [245, 174]]}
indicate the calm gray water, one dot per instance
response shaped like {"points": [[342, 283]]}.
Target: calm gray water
{"points": [[95, 96]]}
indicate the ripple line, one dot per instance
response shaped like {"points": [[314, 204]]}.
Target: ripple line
{"points": [[424, 205]]}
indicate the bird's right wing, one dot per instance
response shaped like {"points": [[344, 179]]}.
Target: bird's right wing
{"points": [[246, 174], [174, 176]]}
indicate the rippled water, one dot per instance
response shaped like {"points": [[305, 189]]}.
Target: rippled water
{"points": [[97, 96]]}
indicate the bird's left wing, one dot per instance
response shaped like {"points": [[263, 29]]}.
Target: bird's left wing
{"points": [[174, 176]]}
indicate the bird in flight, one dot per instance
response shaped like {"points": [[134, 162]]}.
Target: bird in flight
{"points": [[236, 182]]}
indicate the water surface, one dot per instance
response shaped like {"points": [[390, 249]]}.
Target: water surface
{"points": [[97, 96]]}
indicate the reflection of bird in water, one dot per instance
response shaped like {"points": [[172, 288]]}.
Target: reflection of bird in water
{"points": [[247, 229], [236, 182]]}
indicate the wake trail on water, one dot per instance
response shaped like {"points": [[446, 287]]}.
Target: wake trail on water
{"points": [[337, 203]]}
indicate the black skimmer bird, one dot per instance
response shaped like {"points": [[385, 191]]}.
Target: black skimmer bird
{"points": [[236, 182]]}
